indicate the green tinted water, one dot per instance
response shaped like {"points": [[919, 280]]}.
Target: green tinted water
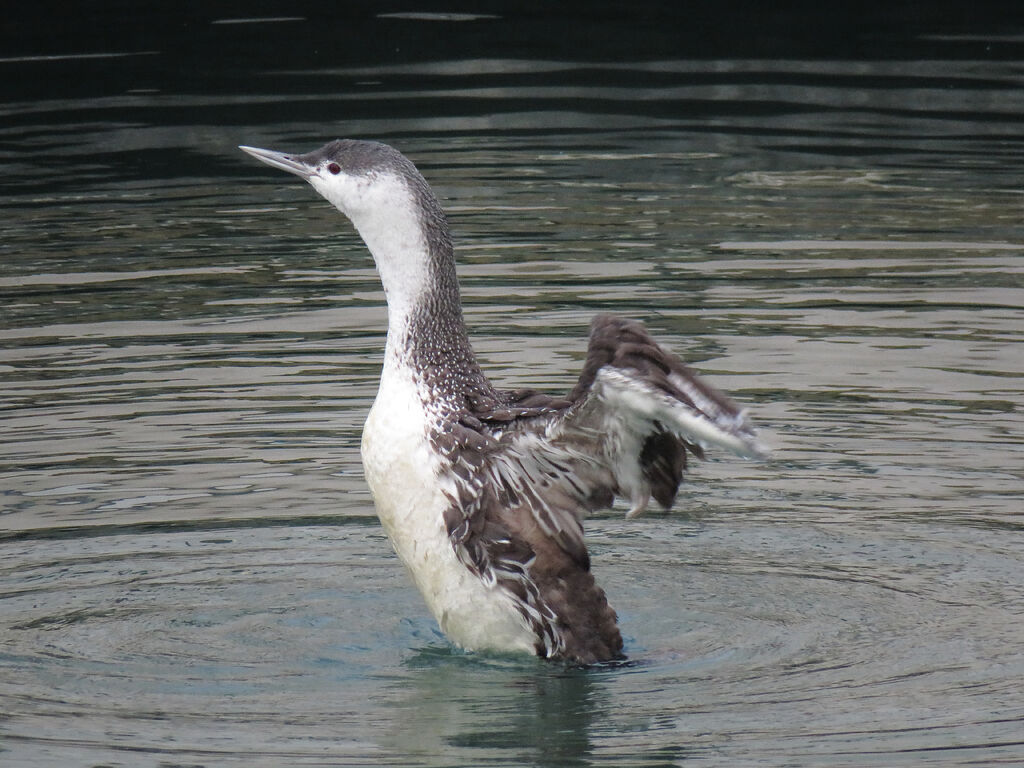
{"points": [[191, 571]]}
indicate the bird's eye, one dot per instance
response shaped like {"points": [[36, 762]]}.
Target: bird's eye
{"points": [[334, 168]]}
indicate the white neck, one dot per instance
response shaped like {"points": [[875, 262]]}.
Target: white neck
{"points": [[384, 212], [402, 257], [403, 225]]}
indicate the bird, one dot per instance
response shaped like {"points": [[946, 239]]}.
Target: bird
{"points": [[483, 491]]}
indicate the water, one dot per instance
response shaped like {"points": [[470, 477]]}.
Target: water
{"points": [[190, 568]]}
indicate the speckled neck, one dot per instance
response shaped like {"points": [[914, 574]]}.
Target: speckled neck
{"points": [[426, 329]]}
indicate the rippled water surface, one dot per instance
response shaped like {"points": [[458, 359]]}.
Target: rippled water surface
{"points": [[191, 572]]}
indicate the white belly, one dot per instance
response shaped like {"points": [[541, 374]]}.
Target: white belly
{"points": [[402, 475]]}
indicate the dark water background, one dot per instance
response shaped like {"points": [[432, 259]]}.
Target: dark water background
{"points": [[820, 211]]}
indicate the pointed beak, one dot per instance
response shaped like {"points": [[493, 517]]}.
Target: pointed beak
{"points": [[280, 160]]}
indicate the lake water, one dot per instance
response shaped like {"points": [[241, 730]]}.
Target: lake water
{"points": [[191, 572]]}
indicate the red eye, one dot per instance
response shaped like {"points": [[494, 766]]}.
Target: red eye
{"points": [[334, 168]]}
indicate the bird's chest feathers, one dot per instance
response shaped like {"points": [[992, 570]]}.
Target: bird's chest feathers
{"points": [[412, 490], [401, 469]]}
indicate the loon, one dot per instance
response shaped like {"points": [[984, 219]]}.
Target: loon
{"points": [[483, 491]]}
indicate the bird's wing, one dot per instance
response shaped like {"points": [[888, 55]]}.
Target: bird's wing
{"points": [[524, 471], [647, 410], [627, 427], [515, 521]]}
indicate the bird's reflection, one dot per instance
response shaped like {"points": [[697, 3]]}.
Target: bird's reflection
{"points": [[490, 707]]}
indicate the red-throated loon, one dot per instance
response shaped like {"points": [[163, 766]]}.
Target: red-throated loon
{"points": [[483, 491]]}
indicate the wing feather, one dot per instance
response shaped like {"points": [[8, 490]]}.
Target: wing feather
{"points": [[525, 468], [651, 410]]}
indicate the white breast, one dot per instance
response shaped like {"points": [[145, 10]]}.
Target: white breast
{"points": [[403, 476]]}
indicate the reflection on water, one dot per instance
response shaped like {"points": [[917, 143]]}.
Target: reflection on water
{"points": [[539, 715], [191, 571]]}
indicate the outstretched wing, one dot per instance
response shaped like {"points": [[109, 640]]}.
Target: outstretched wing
{"points": [[646, 410], [628, 425], [526, 470]]}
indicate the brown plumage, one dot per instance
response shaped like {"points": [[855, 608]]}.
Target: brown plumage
{"points": [[528, 535]]}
